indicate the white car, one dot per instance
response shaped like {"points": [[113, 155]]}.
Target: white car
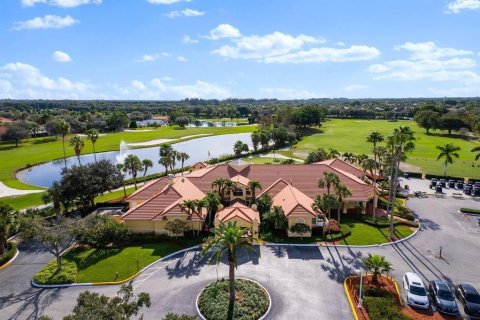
{"points": [[415, 291]]}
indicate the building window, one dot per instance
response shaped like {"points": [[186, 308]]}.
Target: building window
{"points": [[238, 192], [314, 221], [300, 220]]}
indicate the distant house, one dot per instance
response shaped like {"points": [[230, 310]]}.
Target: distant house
{"points": [[164, 119], [292, 187], [4, 124], [198, 166]]}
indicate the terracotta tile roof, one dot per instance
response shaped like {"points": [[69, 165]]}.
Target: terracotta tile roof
{"points": [[275, 188], [149, 190], [240, 179], [238, 210], [344, 166], [294, 202]]}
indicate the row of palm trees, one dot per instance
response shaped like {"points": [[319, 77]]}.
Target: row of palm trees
{"points": [[170, 156]]}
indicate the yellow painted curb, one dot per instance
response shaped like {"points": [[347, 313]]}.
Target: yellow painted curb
{"points": [[354, 310], [9, 261], [398, 291]]}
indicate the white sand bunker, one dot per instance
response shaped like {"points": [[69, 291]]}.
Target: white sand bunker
{"points": [[8, 192], [128, 130], [160, 141]]}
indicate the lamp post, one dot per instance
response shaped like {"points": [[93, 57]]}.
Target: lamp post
{"points": [[361, 285]]}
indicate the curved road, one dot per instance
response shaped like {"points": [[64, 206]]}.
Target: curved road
{"points": [[304, 282]]}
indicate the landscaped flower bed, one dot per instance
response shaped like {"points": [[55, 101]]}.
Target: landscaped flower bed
{"points": [[251, 300], [9, 253]]}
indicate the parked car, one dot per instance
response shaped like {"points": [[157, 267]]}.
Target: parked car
{"points": [[443, 183], [438, 188], [451, 184], [470, 299], [459, 185], [433, 183], [467, 190], [442, 297], [476, 192], [415, 291]]}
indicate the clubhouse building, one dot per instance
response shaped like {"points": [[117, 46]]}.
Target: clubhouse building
{"points": [[292, 187]]}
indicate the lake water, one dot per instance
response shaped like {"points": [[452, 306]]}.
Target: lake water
{"points": [[198, 149]]}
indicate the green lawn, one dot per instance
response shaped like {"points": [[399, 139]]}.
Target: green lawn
{"points": [[115, 195], [349, 136], [34, 151], [102, 265], [24, 201], [364, 234]]}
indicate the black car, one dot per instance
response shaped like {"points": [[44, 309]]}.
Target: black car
{"points": [[476, 192], [442, 297], [443, 183], [459, 185], [467, 190], [433, 184], [469, 297], [451, 184]]}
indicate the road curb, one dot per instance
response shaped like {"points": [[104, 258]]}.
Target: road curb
{"points": [[349, 298], [6, 264], [264, 316], [271, 244], [107, 283]]}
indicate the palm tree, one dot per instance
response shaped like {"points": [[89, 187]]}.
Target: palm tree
{"points": [[359, 158], [219, 183], [371, 165], [377, 265], [119, 167], [132, 165], [333, 153], [329, 179], [200, 204], [448, 151], [78, 144], [212, 202], [146, 163], [349, 157], [189, 206], [7, 223], [342, 192], [253, 185], [92, 135], [54, 195], [182, 157], [375, 138], [476, 149], [166, 153], [228, 239], [229, 186], [63, 128]]}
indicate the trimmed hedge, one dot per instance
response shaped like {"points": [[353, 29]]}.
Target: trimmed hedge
{"points": [[470, 210], [345, 231], [383, 223], [251, 302], [50, 275], [383, 308], [9, 253]]}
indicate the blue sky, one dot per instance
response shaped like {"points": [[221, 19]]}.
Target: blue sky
{"points": [[286, 49]]}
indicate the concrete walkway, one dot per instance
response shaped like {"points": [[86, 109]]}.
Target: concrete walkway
{"points": [[6, 191]]}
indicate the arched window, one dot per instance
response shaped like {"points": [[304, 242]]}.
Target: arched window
{"points": [[300, 220]]}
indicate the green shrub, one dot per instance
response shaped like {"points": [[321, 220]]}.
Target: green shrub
{"points": [[101, 230], [383, 308], [300, 228], [214, 300], [470, 210], [49, 274], [9, 253], [174, 316]]}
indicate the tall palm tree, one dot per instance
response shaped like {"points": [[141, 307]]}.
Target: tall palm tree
{"points": [[476, 149], [342, 192], [377, 265], [333, 153], [375, 138], [119, 167], [132, 165], [78, 144], [219, 183], [229, 186], [349, 157], [329, 179], [253, 185], [182, 157], [212, 202], [7, 223], [146, 163], [92, 135], [200, 204], [448, 151], [371, 165], [189, 206], [359, 158], [63, 128], [54, 195], [228, 239]]}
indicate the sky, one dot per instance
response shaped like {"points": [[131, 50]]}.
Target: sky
{"points": [[285, 49]]}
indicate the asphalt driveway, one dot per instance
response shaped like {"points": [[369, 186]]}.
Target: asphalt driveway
{"points": [[304, 282]]}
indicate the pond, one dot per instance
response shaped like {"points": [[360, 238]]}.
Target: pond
{"points": [[200, 149]]}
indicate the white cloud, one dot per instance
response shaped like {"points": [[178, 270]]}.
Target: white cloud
{"points": [[224, 31], [46, 22], [467, 91], [288, 93], [158, 89], [188, 40], [138, 85], [61, 56], [182, 59], [185, 13], [428, 62], [153, 57], [26, 81], [166, 1], [429, 50], [148, 57], [355, 87], [60, 3], [340, 43], [459, 5], [278, 47]]}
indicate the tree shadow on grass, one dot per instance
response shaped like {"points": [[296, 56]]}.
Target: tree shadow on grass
{"points": [[95, 256], [6, 148], [31, 302], [44, 140]]}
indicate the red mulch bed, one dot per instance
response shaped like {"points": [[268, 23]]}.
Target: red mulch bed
{"points": [[387, 284]]}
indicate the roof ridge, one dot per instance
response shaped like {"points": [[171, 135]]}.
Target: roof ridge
{"points": [[148, 201]]}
